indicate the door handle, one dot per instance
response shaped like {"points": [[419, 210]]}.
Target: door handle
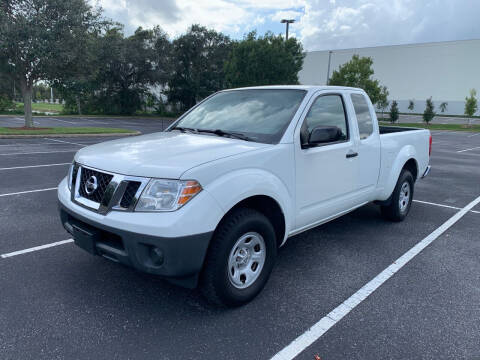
{"points": [[351, 154]]}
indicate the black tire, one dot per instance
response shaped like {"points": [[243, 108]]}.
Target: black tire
{"points": [[396, 211], [215, 282]]}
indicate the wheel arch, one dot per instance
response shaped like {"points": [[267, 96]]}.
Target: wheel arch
{"points": [[405, 159], [267, 206]]}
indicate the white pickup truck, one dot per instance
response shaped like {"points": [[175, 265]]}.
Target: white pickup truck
{"points": [[210, 200]]}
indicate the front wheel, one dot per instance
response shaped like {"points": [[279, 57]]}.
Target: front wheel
{"points": [[401, 198], [240, 258]]}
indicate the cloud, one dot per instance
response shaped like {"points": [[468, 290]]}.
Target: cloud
{"points": [[360, 23], [320, 24], [290, 14]]}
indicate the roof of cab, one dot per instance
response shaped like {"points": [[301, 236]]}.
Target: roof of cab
{"points": [[300, 87]]}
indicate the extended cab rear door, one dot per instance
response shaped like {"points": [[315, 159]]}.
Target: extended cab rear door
{"points": [[368, 146], [326, 175]]}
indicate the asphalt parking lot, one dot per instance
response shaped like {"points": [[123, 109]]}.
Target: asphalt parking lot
{"points": [[59, 302]]}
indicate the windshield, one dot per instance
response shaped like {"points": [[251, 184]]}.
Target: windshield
{"points": [[261, 115]]}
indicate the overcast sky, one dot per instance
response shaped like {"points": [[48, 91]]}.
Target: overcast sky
{"points": [[320, 24]]}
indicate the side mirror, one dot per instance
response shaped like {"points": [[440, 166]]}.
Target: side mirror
{"points": [[324, 134]]}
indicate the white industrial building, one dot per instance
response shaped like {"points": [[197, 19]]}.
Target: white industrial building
{"points": [[445, 71]]}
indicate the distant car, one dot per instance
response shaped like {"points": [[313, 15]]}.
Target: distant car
{"points": [[209, 200]]}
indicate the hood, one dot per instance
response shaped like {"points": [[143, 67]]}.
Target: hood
{"points": [[162, 155]]}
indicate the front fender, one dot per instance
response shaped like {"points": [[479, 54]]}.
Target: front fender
{"points": [[230, 189], [406, 153]]}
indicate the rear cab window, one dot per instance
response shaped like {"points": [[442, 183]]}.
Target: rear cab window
{"points": [[364, 118]]}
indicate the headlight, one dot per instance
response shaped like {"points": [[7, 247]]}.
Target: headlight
{"points": [[69, 178], [167, 195]]}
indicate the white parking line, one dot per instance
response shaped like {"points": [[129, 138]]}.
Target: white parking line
{"points": [[32, 166], [474, 134], [27, 192], [65, 142], [478, 147], [40, 152], [443, 205], [337, 314], [36, 248]]}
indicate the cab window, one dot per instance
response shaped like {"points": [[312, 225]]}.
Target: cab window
{"points": [[327, 110], [364, 118]]}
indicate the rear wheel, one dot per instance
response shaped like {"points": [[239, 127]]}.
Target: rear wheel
{"points": [[401, 198], [240, 258]]}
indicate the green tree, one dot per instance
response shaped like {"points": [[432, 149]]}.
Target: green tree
{"points": [[382, 102], [429, 112], [118, 72], [40, 38], [198, 58], [443, 106], [411, 105], [394, 112], [6, 90], [264, 60], [471, 105], [358, 72], [76, 87], [130, 66]]}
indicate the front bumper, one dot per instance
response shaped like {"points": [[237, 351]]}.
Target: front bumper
{"points": [[178, 259]]}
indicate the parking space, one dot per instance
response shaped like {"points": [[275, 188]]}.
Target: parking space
{"points": [[62, 303]]}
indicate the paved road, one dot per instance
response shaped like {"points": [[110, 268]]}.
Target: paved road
{"points": [[60, 302]]}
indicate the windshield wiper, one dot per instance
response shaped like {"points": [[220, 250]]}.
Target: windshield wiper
{"points": [[231, 134], [218, 132], [184, 129]]}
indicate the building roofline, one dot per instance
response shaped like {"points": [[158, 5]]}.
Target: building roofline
{"points": [[431, 43]]}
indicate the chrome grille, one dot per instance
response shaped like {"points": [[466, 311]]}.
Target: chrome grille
{"points": [[129, 195], [102, 180], [112, 191]]}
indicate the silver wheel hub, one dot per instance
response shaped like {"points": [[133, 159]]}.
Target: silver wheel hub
{"points": [[404, 198], [246, 260]]}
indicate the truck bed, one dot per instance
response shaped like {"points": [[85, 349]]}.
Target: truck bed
{"points": [[394, 129]]}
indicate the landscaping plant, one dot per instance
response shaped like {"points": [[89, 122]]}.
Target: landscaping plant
{"points": [[429, 112], [471, 105], [394, 112]]}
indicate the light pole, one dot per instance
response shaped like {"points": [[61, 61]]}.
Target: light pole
{"points": [[288, 22], [328, 69]]}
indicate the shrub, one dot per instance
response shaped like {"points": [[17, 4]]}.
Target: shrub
{"points": [[429, 112], [443, 106], [394, 112], [5, 103], [411, 104], [471, 105]]}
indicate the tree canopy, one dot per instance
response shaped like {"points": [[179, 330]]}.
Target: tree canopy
{"points": [[358, 72], [198, 67], [264, 60], [40, 40], [88, 60]]}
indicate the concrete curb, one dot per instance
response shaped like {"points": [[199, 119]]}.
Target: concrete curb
{"points": [[67, 135]]}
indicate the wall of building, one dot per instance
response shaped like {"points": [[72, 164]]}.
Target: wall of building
{"points": [[446, 71]]}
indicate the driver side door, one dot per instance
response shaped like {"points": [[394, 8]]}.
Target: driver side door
{"points": [[325, 173]]}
